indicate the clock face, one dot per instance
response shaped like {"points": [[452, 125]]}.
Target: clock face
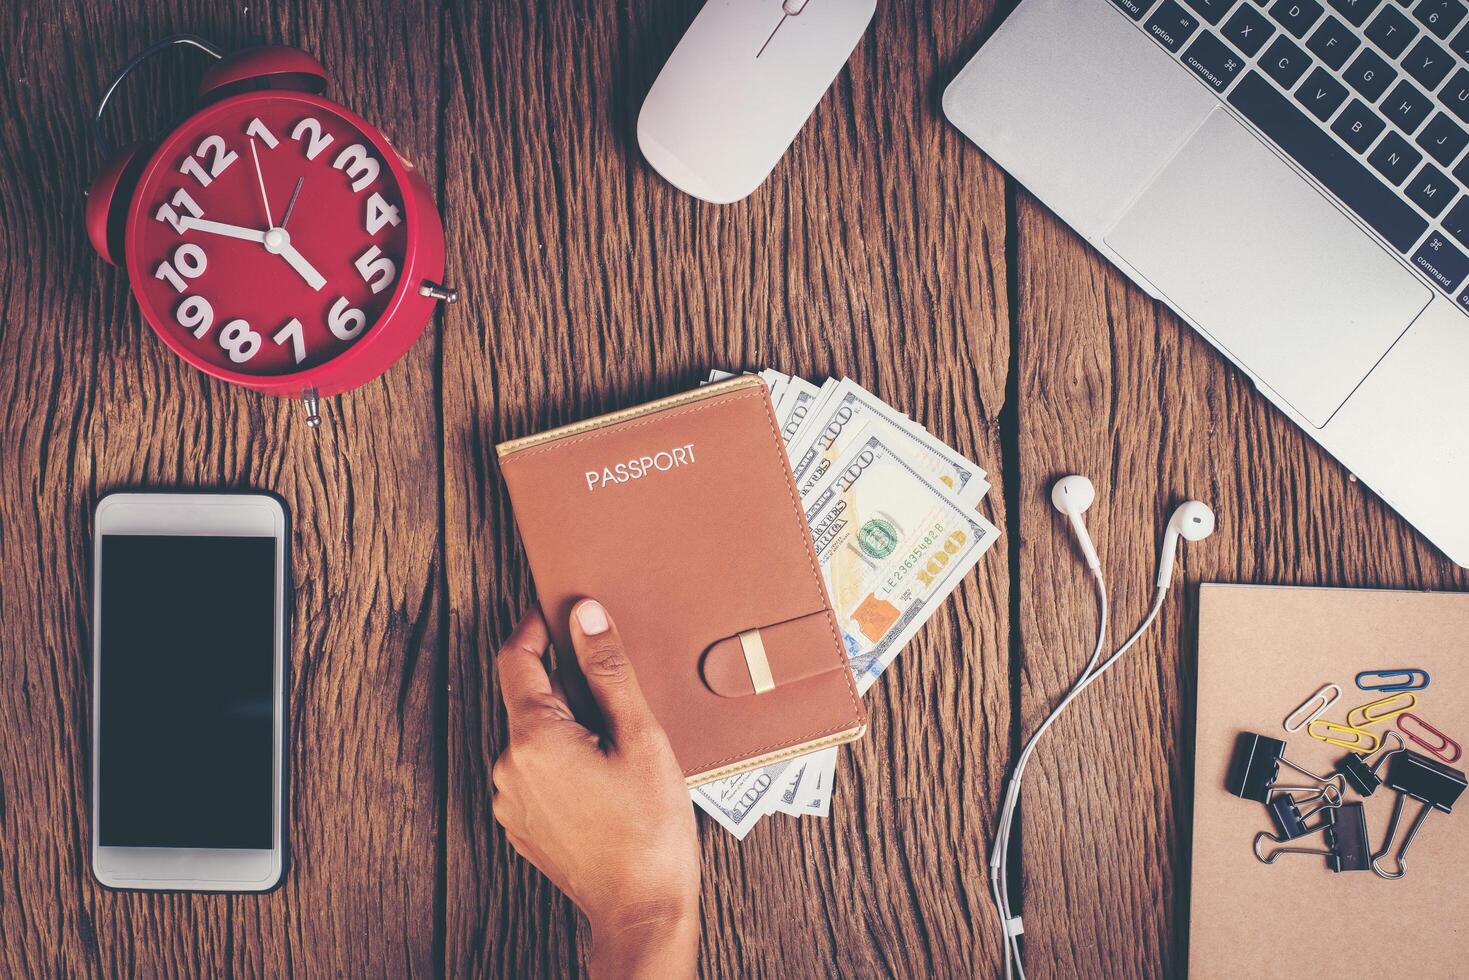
{"points": [[268, 234]]}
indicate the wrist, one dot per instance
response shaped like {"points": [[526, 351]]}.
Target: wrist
{"points": [[647, 939]]}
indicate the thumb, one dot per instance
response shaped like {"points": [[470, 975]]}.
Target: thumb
{"points": [[609, 673]]}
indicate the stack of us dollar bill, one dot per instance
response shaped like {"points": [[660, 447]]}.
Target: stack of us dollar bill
{"points": [[894, 516]]}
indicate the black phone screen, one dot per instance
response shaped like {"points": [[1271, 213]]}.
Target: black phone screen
{"points": [[187, 681]]}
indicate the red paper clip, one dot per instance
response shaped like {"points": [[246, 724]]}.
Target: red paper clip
{"points": [[1445, 744]]}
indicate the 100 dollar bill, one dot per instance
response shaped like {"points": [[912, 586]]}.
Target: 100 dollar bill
{"points": [[738, 802], [847, 415], [892, 545]]}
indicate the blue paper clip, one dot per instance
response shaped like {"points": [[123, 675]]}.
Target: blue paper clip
{"points": [[1400, 679]]}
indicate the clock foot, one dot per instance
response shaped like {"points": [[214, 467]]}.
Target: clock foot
{"points": [[433, 290], [313, 415]]}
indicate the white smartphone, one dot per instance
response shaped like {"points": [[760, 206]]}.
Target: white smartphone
{"points": [[188, 691]]}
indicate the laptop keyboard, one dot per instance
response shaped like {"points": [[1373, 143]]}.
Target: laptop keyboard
{"points": [[1370, 97]]}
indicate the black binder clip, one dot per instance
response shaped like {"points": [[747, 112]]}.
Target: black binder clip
{"points": [[1431, 783], [1285, 810], [1256, 765], [1345, 833], [1361, 773]]}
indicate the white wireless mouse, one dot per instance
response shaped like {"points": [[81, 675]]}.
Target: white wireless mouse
{"points": [[739, 87]]}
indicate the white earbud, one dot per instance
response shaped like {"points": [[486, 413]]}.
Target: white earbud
{"points": [[1192, 521], [1072, 495]]}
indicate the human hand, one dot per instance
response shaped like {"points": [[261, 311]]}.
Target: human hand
{"points": [[607, 818]]}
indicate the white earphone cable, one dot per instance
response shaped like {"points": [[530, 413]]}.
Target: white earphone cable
{"points": [[1000, 854]]}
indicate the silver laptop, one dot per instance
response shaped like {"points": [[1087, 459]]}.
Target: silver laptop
{"points": [[1290, 176]]}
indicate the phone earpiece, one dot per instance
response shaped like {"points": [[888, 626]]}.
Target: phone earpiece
{"points": [[1192, 521], [1072, 495]]}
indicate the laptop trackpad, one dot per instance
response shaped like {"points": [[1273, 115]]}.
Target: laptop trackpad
{"points": [[1268, 267]]}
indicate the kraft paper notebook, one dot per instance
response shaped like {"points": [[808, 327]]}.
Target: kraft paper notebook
{"points": [[681, 517], [1262, 652]]}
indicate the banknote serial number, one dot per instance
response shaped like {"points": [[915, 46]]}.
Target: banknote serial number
{"points": [[639, 467], [932, 564]]}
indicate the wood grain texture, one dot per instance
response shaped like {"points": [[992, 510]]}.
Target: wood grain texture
{"points": [[884, 247], [876, 250], [92, 402], [1115, 386]]}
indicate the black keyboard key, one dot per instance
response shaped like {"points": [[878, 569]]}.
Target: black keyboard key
{"points": [[1248, 30], [1325, 159], [1213, 61], [1333, 43], [1442, 262], [1428, 63], [1355, 11], [1391, 31], [1296, 16], [1455, 95], [1461, 172], [1394, 158], [1440, 16], [1285, 62], [1135, 8], [1172, 25], [1321, 94], [1443, 139], [1431, 189], [1358, 126], [1407, 107], [1460, 44], [1370, 75], [1456, 222], [1211, 10]]}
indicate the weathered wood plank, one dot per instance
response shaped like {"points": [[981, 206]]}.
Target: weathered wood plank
{"points": [[91, 401], [876, 250], [1114, 386]]}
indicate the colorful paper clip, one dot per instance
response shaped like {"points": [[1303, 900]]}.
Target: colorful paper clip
{"points": [[1256, 764], [1345, 833], [1335, 734], [1439, 749], [1360, 771], [1398, 679], [1383, 709], [1314, 707], [1431, 783]]}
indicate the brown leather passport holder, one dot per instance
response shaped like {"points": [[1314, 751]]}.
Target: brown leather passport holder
{"points": [[682, 518]]}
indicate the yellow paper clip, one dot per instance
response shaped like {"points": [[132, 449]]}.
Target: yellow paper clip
{"points": [[1338, 734], [1393, 705]]}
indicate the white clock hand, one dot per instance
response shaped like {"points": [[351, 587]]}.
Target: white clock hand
{"points": [[308, 272], [278, 240], [188, 223], [261, 179]]}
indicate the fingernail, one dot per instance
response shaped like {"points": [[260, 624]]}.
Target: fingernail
{"points": [[592, 618]]}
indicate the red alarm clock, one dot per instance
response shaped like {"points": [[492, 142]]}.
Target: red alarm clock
{"points": [[274, 239]]}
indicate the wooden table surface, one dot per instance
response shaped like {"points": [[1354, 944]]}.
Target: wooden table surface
{"points": [[884, 247]]}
